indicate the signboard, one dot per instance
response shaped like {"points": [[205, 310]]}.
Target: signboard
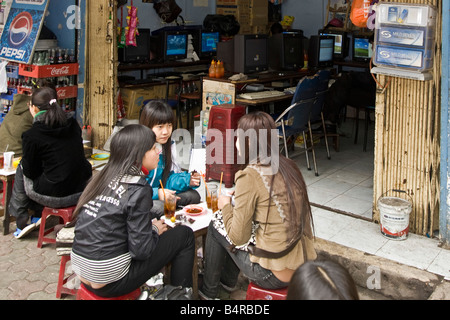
{"points": [[22, 29]]}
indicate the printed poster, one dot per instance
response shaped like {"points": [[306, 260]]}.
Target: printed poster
{"points": [[22, 29]]}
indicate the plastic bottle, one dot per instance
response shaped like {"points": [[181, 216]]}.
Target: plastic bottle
{"points": [[212, 69], [220, 70]]}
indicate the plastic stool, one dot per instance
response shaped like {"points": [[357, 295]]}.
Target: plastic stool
{"points": [[85, 294], [255, 292], [63, 213], [60, 289]]}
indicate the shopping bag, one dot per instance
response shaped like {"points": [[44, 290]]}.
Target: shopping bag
{"points": [[359, 13]]}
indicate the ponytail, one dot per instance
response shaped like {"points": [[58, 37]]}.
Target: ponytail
{"points": [[45, 99]]}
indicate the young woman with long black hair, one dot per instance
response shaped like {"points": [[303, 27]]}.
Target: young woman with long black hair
{"points": [[117, 246], [53, 171]]}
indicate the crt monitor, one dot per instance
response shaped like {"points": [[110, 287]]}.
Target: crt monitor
{"points": [[286, 51], [251, 53], [340, 43], [208, 43], [175, 44], [361, 48], [140, 53], [320, 52]]}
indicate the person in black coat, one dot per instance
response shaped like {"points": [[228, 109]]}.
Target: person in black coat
{"points": [[53, 171]]}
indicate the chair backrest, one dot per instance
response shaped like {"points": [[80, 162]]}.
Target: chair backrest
{"points": [[323, 77], [298, 113]]}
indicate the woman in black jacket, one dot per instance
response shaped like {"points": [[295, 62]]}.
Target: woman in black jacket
{"points": [[117, 246], [53, 171]]}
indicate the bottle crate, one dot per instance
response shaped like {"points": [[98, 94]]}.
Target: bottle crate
{"points": [[48, 71]]}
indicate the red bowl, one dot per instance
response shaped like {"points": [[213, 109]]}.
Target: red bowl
{"points": [[194, 210]]}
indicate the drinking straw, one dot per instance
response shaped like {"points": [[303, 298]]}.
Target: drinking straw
{"points": [[163, 190], [201, 174], [220, 185]]}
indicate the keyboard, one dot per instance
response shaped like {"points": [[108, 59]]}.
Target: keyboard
{"points": [[261, 94], [290, 90]]}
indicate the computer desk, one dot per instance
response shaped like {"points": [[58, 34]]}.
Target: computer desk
{"points": [[266, 78]]}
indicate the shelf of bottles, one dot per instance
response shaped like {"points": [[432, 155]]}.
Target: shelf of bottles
{"points": [[57, 66]]}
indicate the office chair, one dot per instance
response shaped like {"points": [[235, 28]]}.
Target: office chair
{"points": [[295, 120]]}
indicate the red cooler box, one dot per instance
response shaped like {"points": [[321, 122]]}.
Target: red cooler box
{"points": [[221, 153]]}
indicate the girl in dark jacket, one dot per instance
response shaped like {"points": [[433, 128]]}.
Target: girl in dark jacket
{"points": [[53, 171], [117, 246]]}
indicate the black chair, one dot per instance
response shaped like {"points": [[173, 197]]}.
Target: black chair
{"points": [[295, 120]]}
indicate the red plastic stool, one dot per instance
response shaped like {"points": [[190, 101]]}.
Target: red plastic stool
{"points": [[85, 294], [63, 213], [255, 292], [60, 289]]}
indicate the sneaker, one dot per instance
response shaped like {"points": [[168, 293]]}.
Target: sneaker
{"points": [[21, 233], [204, 296]]}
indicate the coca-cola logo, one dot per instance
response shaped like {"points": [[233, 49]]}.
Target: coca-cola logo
{"points": [[62, 93], [60, 71]]}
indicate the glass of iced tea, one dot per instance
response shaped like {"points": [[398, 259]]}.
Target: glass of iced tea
{"points": [[170, 205], [214, 200], [211, 188]]}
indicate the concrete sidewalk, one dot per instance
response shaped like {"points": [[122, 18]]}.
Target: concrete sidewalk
{"points": [[30, 273]]}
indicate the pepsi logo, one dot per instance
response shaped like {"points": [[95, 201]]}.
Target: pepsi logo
{"points": [[20, 29]]}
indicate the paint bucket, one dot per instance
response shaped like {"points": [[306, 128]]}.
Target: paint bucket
{"points": [[394, 216]]}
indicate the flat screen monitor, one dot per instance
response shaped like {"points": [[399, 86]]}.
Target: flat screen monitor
{"points": [[286, 51], [208, 43], [175, 45], [362, 48], [340, 43], [251, 53], [140, 53], [321, 51]]}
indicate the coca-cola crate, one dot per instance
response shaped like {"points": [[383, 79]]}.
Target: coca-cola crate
{"points": [[67, 92], [62, 92], [48, 71]]}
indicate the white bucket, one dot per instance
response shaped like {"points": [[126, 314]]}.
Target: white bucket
{"points": [[394, 217]]}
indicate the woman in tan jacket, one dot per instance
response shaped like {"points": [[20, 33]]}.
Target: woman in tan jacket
{"points": [[267, 232]]}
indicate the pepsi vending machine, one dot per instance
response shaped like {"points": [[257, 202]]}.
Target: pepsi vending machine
{"points": [[22, 29]]}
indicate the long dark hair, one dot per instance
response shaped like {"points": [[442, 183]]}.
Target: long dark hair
{"points": [[322, 280], [154, 113], [128, 148], [45, 98], [299, 215]]}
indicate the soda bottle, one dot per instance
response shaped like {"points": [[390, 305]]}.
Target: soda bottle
{"points": [[212, 69], [305, 59]]}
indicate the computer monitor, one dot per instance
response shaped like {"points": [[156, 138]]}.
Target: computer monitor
{"points": [[361, 48], [320, 52], [140, 53], [208, 44], [251, 53], [340, 42], [286, 51], [175, 44]]}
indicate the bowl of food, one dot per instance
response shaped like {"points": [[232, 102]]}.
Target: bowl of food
{"points": [[194, 210]]}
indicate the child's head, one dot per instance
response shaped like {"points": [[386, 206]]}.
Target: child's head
{"points": [[158, 116], [322, 280], [45, 99], [134, 145]]}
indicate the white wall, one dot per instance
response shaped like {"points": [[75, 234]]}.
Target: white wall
{"points": [[309, 14]]}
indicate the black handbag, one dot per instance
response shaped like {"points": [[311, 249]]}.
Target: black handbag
{"points": [[167, 10]]}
